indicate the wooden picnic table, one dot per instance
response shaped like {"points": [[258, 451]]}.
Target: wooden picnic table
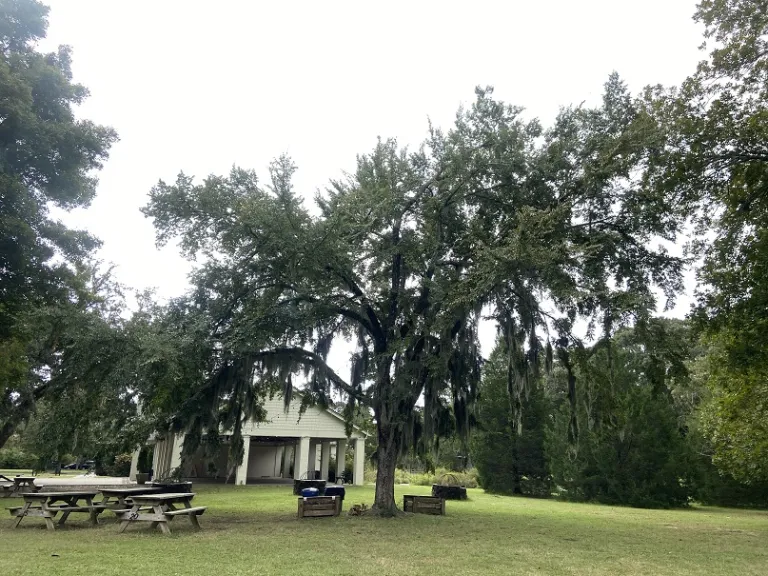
{"points": [[160, 509], [20, 484], [48, 504], [120, 498]]}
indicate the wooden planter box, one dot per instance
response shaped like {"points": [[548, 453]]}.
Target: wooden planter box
{"points": [[316, 506], [424, 505]]}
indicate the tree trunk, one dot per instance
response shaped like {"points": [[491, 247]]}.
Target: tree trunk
{"points": [[6, 431], [516, 479], [387, 453], [20, 413]]}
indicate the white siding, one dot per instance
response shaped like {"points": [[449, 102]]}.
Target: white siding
{"points": [[315, 422]]}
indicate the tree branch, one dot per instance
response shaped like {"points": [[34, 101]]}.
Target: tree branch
{"points": [[308, 358]]}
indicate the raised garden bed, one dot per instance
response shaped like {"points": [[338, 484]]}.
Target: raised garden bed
{"points": [[318, 506], [449, 492], [449, 488], [424, 505]]}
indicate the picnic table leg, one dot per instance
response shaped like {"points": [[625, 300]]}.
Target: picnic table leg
{"points": [[22, 513], [154, 524], [49, 523], [165, 529], [94, 515], [192, 517], [69, 502], [48, 515], [124, 523]]}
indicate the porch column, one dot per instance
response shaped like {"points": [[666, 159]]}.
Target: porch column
{"points": [[157, 457], [325, 458], [178, 443], [300, 458], [160, 458], [241, 475], [287, 458], [312, 461], [359, 461], [134, 465], [341, 454]]}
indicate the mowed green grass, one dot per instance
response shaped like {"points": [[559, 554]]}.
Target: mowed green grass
{"points": [[254, 530]]}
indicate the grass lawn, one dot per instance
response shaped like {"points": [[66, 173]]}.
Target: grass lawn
{"points": [[254, 530]]}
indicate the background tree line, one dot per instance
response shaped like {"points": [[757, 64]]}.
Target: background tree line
{"points": [[644, 407]]}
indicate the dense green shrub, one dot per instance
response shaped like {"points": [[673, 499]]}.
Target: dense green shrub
{"points": [[120, 466], [718, 489], [15, 458], [468, 478]]}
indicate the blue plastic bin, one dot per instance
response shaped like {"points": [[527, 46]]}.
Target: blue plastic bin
{"points": [[310, 492], [335, 491]]}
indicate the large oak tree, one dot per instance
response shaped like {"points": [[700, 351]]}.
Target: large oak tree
{"points": [[402, 257], [47, 158]]}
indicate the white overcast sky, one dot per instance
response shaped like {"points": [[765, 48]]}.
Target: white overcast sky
{"points": [[200, 86]]}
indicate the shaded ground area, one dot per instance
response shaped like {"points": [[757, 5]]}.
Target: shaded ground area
{"points": [[254, 530]]}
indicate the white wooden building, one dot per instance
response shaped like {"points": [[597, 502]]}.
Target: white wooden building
{"points": [[286, 441]]}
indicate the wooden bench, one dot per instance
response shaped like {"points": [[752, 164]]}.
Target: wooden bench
{"points": [[317, 506], [196, 511], [424, 505]]}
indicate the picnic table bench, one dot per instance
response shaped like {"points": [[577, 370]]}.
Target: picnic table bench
{"points": [[160, 509], [48, 504]]}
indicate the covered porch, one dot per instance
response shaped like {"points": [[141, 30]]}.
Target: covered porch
{"points": [[265, 458], [292, 442]]}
